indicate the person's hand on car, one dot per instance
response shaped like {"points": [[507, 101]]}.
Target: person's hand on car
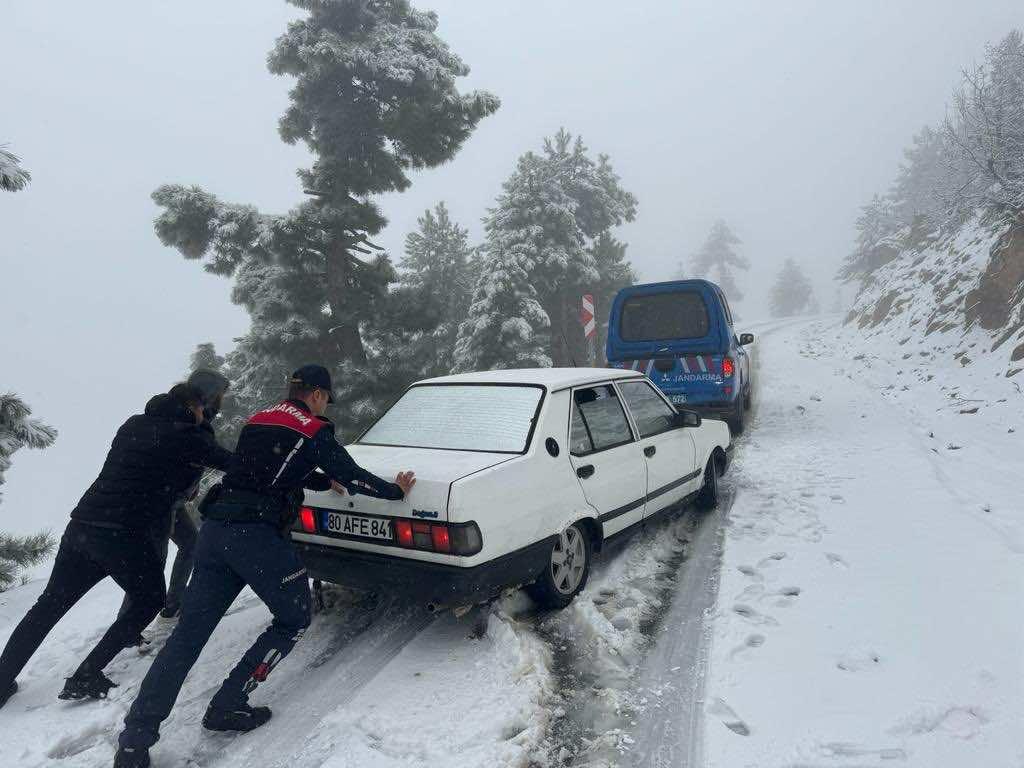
{"points": [[405, 481], [338, 487]]}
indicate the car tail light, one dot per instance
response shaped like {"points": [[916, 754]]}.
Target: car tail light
{"points": [[728, 368], [307, 519], [440, 539], [403, 530], [449, 538]]}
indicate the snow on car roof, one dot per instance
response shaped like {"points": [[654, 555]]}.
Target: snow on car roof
{"points": [[552, 378]]}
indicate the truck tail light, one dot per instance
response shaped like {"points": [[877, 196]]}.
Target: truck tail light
{"points": [[449, 538], [307, 519], [728, 367]]}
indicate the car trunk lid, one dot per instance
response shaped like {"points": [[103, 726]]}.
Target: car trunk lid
{"points": [[436, 470]]}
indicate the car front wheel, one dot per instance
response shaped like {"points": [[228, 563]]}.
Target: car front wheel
{"points": [[566, 572]]}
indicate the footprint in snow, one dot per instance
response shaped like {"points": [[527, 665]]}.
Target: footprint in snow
{"points": [[860, 660], [750, 572], [75, 744], [754, 616], [964, 722], [752, 641], [772, 558], [729, 718], [836, 560], [846, 749], [753, 592]]}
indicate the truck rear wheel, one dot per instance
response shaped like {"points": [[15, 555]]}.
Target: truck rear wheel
{"points": [[737, 421]]}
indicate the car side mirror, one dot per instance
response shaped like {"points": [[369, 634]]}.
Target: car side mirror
{"points": [[746, 338], [687, 419]]}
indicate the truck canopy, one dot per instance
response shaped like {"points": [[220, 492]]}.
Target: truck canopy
{"points": [[665, 320]]}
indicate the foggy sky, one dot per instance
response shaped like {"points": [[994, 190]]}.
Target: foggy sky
{"points": [[781, 117]]}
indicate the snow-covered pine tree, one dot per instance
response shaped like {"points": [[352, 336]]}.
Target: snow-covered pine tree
{"points": [[717, 258], [614, 273], [507, 327], [19, 430], [576, 200], [878, 242], [435, 288], [12, 176], [792, 293], [375, 96], [206, 358], [543, 230]]}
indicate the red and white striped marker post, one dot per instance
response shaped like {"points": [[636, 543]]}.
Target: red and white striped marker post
{"points": [[589, 322]]}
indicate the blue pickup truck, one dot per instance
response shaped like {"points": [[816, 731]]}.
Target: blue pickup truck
{"points": [[680, 333]]}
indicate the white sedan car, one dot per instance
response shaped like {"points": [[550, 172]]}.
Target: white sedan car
{"points": [[521, 476]]}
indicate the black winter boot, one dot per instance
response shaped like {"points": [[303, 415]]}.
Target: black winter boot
{"points": [[90, 686], [243, 718], [7, 692], [127, 757]]}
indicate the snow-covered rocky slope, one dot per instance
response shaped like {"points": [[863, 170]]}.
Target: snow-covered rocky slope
{"points": [[951, 302]]}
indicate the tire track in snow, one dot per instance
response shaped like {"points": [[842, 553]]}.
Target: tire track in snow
{"points": [[333, 674], [602, 697], [670, 732]]}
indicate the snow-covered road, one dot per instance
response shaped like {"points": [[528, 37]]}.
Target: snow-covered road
{"points": [[870, 601], [867, 612]]}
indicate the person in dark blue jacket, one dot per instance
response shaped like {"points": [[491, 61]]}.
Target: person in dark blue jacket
{"points": [[151, 462], [243, 541]]}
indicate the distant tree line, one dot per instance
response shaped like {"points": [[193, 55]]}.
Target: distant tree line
{"points": [[970, 165]]}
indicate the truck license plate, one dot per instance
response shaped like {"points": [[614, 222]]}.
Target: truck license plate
{"points": [[356, 525]]}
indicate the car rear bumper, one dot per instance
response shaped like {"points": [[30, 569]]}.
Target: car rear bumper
{"points": [[435, 583]]}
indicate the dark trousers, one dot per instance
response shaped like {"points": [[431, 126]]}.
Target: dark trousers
{"points": [[229, 556], [183, 534], [86, 556]]}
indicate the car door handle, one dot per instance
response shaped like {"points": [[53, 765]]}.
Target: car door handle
{"points": [[650, 450], [585, 471]]}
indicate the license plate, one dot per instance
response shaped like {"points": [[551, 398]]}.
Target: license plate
{"points": [[677, 398], [344, 524]]}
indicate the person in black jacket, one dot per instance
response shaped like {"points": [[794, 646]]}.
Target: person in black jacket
{"points": [[150, 463], [181, 529], [243, 541]]}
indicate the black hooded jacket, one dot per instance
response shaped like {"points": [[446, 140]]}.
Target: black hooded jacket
{"points": [[154, 459]]}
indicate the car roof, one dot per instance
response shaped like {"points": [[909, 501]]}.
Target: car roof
{"points": [[551, 378]]}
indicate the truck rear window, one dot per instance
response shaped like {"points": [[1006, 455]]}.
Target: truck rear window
{"points": [[663, 316]]}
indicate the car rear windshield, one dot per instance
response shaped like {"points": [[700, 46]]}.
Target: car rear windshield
{"points": [[663, 316], [463, 417]]}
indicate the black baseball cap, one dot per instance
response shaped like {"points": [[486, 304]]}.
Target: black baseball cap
{"points": [[314, 376]]}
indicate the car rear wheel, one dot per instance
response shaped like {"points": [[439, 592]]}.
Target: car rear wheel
{"points": [[567, 571], [708, 496]]}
